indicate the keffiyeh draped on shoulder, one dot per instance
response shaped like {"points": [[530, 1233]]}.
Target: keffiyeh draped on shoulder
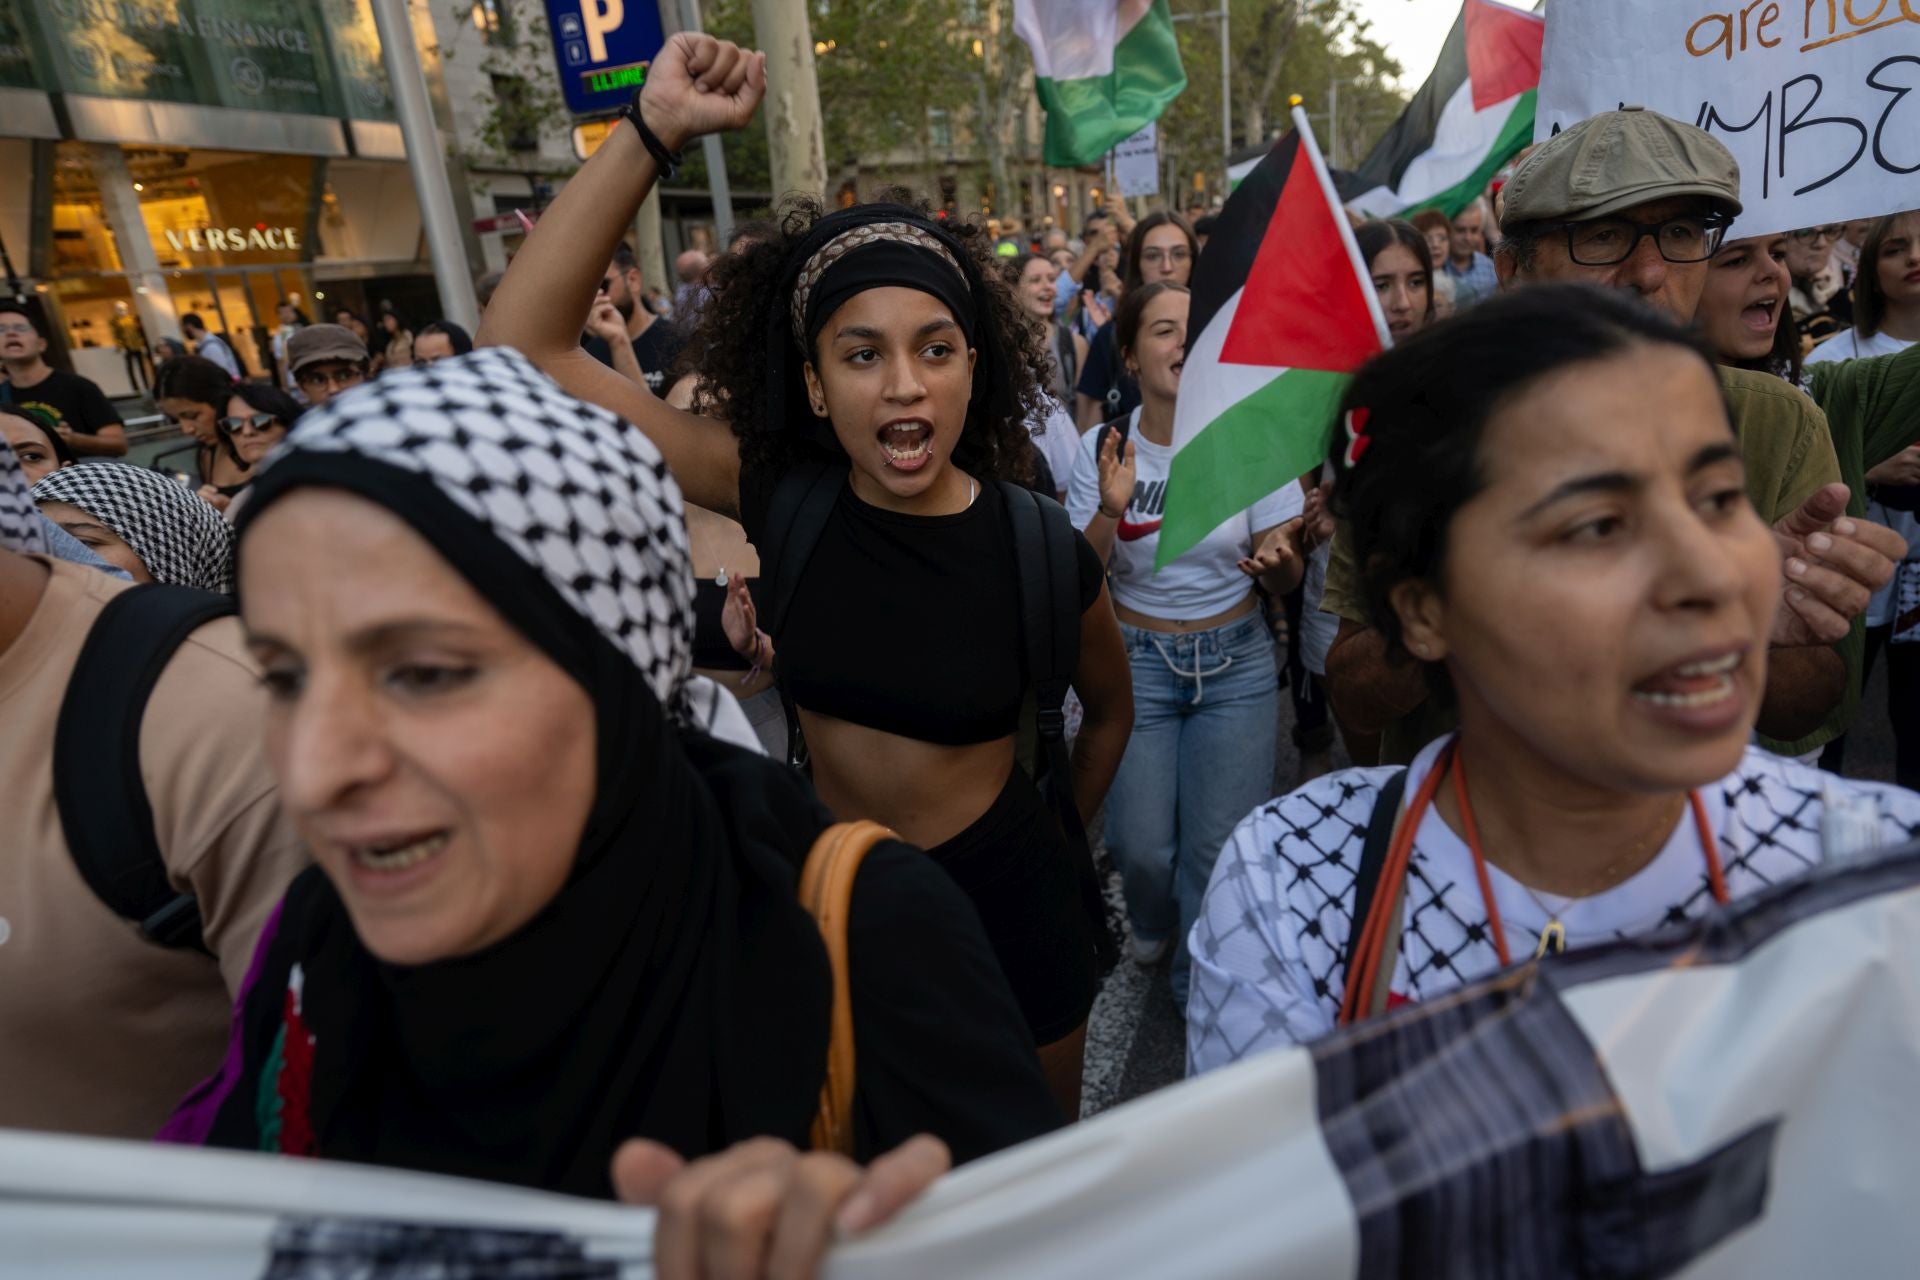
{"points": [[21, 528]]}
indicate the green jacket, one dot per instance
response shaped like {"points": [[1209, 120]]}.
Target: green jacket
{"points": [[1873, 412]]}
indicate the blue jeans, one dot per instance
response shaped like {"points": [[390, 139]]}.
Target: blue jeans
{"points": [[1205, 713]]}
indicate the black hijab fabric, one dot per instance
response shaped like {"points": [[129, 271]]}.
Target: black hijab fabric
{"points": [[674, 989]]}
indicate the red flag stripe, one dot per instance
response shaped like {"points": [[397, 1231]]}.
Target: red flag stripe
{"points": [[1302, 307], [1503, 51]]}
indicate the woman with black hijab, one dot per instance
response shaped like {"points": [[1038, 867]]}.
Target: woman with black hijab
{"points": [[873, 370], [554, 908]]}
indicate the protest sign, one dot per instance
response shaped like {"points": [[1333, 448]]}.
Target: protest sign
{"points": [[1136, 163], [1815, 98]]}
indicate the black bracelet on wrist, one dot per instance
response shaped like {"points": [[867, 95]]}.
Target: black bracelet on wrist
{"points": [[668, 161]]}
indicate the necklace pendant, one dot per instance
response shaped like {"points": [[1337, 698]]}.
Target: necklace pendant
{"points": [[1553, 940], [720, 578]]}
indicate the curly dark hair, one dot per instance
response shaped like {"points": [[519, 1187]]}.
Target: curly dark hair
{"points": [[729, 351]]}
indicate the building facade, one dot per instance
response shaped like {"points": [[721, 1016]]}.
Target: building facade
{"points": [[225, 157]]}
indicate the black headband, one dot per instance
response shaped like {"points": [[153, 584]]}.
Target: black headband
{"points": [[879, 264]]}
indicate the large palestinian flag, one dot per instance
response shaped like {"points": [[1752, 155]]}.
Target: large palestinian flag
{"points": [[1474, 113], [1103, 69], [1284, 312]]}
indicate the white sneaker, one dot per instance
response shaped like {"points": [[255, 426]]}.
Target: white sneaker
{"points": [[1148, 952]]}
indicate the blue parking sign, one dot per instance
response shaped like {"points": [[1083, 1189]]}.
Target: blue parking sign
{"points": [[602, 49]]}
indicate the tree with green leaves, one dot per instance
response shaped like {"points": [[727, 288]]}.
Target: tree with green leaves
{"points": [[1278, 48]]}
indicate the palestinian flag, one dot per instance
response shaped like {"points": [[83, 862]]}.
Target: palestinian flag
{"points": [[1104, 70], [1243, 162], [1283, 312], [1474, 113]]}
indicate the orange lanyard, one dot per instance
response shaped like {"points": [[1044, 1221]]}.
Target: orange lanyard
{"points": [[1393, 873]]}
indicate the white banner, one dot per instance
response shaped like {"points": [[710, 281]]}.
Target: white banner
{"points": [[1815, 98], [1728, 1101], [1136, 162]]}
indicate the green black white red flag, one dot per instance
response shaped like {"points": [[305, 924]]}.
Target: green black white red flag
{"points": [[1283, 312], [1103, 69], [1474, 113]]}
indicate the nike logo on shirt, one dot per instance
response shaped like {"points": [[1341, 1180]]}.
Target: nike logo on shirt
{"points": [[1128, 532]]}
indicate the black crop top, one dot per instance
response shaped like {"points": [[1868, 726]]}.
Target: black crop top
{"points": [[910, 624]]}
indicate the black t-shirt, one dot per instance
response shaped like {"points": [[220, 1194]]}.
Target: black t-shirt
{"points": [[657, 347], [909, 624], [1103, 378], [68, 398]]}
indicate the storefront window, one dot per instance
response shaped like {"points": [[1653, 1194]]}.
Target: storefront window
{"points": [[233, 233]]}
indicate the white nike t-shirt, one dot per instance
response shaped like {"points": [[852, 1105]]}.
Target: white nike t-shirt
{"points": [[1207, 579]]}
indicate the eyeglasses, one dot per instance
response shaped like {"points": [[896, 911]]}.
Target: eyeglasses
{"points": [[345, 376], [252, 422], [1603, 242], [1177, 254], [16, 328], [1833, 232]]}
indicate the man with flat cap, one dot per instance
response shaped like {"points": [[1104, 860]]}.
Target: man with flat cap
{"points": [[1633, 200], [326, 359]]}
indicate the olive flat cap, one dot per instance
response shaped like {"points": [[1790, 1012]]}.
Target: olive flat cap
{"points": [[1616, 160], [319, 342]]}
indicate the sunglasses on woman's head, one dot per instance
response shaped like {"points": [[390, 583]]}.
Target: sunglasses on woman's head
{"points": [[252, 422]]}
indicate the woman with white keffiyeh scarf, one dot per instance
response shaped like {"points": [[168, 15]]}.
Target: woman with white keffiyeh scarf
{"points": [[141, 521]]}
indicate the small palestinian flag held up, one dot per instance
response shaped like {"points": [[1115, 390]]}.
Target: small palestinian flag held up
{"points": [[1474, 113], [1103, 69], [1283, 312]]}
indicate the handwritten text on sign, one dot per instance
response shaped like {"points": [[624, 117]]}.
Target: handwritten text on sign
{"points": [[1819, 100]]}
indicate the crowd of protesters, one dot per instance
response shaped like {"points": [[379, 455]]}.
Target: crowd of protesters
{"points": [[472, 843]]}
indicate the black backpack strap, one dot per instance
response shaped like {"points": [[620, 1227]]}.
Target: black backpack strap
{"points": [[1373, 859], [796, 517], [97, 786], [1049, 567]]}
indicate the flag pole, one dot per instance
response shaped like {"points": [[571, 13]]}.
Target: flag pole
{"points": [[1360, 271]]}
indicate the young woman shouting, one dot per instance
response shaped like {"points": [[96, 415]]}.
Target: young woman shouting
{"points": [[880, 344]]}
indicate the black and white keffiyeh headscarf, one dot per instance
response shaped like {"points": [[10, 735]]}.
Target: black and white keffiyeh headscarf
{"points": [[21, 528], [674, 988], [180, 538], [570, 489]]}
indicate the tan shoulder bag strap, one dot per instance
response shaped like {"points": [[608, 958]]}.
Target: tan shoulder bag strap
{"points": [[826, 891]]}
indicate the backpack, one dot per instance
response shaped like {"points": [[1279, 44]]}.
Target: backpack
{"points": [[97, 787], [1043, 547]]}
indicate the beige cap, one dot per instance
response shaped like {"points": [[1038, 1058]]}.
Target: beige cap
{"points": [[319, 342], [1616, 160]]}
